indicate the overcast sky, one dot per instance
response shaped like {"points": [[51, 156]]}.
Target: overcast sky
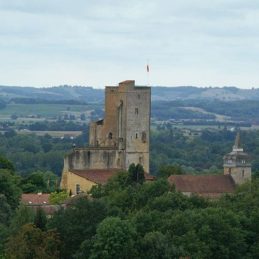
{"points": [[102, 42]]}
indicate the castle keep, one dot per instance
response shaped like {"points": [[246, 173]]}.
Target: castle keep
{"points": [[115, 142]]}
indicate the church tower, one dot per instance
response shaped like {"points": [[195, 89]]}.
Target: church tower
{"points": [[237, 163]]}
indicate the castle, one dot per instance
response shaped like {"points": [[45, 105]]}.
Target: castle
{"points": [[115, 142]]}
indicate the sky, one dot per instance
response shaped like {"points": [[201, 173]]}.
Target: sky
{"points": [[102, 42]]}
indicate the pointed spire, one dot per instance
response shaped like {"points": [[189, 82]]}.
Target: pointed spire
{"points": [[237, 145]]}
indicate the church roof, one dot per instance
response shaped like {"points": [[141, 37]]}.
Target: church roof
{"points": [[101, 176], [203, 184]]}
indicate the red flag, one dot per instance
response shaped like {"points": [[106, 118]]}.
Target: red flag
{"points": [[147, 68]]}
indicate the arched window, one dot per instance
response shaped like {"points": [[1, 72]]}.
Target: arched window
{"points": [[110, 136]]}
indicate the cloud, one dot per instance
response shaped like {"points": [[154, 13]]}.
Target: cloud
{"points": [[98, 42]]}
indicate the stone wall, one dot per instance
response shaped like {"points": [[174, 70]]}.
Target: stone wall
{"points": [[93, 158], [240, 175]]}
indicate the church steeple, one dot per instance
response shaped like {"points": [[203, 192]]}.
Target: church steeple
{"points": [[237, 163], [237, 146]]}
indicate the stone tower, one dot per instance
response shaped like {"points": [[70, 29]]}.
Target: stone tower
{"points": [[237, 163], [118, 140], [126, 124]]}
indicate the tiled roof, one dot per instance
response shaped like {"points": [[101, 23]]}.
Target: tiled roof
{"points": [[101, 176], [203, 184], [35, 198]]}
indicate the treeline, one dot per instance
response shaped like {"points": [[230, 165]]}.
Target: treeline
{"points": [[30, 153], [129, 219], [244, 110], [45, 101], [201, 153], [59, 125], [166, 112]]}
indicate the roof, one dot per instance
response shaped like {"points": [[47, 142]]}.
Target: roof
{"points": [[203, 184], [35, 198], [101, 176]]}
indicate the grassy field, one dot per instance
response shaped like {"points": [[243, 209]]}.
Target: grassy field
{"points": [[54, 134], [45, 110], [31, 113]]}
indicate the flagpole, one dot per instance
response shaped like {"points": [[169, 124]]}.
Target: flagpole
{"points": [[148, 84]]}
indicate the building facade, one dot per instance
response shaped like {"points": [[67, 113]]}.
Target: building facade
{"points": [[120, 138]]}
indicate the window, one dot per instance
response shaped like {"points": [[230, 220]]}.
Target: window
{"points": [[136, 110], [136, 135], [77, 188], [140, 160], [118, 162], [144, 137], [243, 161], [110, 136], [138, 96], [229, 170], [243, 173]]}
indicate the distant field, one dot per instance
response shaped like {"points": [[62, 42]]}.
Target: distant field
{"points": [[42, 109], [54, 134]]}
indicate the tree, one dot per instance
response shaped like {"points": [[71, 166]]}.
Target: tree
{"points": [[136, 173], [23, 215], [58, 197], [5, 214], [156, 245], [77, 223], [30, 242], [167, 170], [6, 164], [9, 187], [114, 239], [40, 219]]}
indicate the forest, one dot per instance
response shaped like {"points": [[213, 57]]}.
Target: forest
{"points": [[130, 218]]}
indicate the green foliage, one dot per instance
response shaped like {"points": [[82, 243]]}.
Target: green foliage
{"points": [[31, 153], [167, 170], [31, 242], [156, 245], [23, 215], [58, 197], [201, 153], [114, 239], [39, 182], [77, 223], [5, 214], [40, 219], [6, 164], [136, 173], [9, 187]]}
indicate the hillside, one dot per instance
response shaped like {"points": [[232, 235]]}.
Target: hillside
{"points": [[159, 93]]}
